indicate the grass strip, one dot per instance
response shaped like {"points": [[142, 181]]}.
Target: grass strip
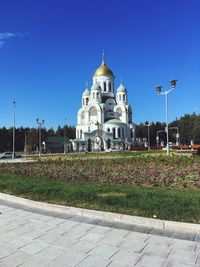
{"points": [[166, 203]]}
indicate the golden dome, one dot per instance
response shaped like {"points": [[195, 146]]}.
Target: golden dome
{"points": [[103, 70]]}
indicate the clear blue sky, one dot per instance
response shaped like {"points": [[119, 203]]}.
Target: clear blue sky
{"points": [[49, 48]]}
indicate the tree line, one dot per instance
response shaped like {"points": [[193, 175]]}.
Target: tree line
{"points": [[188, 128], [30, 136]]}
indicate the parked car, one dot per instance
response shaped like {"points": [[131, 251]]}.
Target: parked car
{"points": [[8, 155], [113, 149]]}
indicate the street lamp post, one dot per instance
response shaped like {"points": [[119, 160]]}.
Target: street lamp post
{"points": [[65, 136], [14, 105], [40, 129], [158, 90], [25, 146]]}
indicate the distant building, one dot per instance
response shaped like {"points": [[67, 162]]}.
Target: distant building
{"points": [[105, 119], [56, 144]]}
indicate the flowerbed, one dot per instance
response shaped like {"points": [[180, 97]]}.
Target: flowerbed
{"points": [[146, 171]]}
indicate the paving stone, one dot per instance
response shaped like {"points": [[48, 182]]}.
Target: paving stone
{"points": [[198, 258], [75, 234], [52, 252], [94, 238], [183, 244], [114, 241], [6, 251], [187, 256], [118, 264], [119, 232], [64, 242], [70, 258], [18, 242], [103, 250], [34, 247], [155, 241], [92, 261], [150, 260], [83, 227], [138, 236], [161, 250], [64, 227], [197, 238], [175, 263], [98, 229], [126, 257], [41, 261], [15, 259], [48, 237], [83, 246], [133, 245]]}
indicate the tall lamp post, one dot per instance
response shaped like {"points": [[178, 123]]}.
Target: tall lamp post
{"points": [[65, 137], [14, 105], [158, 90], [40, 129]]}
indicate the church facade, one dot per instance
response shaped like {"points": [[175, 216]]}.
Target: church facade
{"points": [[105, 119]]}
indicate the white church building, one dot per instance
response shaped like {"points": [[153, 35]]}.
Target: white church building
{"points": [[105, 118]]}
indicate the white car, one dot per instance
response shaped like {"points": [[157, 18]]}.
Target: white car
{"points": [[8, 155], [113, 149]]}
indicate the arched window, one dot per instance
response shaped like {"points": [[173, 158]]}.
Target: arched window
{"points": [[119, 112], [110, 87], [120, 98], [77, 134], [119, 133], [108, 130], [83, 101], [93, 111], [82, 115], [97, 95], [87, 100], [124, 99], [93, 95], [104, 86], [114, 133], [81, 132]]}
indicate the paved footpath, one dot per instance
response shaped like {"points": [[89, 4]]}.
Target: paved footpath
{"points": [[30, 237]]}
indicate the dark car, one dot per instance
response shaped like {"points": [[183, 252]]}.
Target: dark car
{"points": [[8, 155]]}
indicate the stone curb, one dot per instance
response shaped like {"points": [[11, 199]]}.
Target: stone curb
{"points": [[105, 216]]}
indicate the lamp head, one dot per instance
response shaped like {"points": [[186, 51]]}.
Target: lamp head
{"points": [[173, 83], [158, 89]]}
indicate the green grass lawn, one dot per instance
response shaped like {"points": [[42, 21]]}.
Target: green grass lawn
{"points": [[135, 183], [170, 204]]}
